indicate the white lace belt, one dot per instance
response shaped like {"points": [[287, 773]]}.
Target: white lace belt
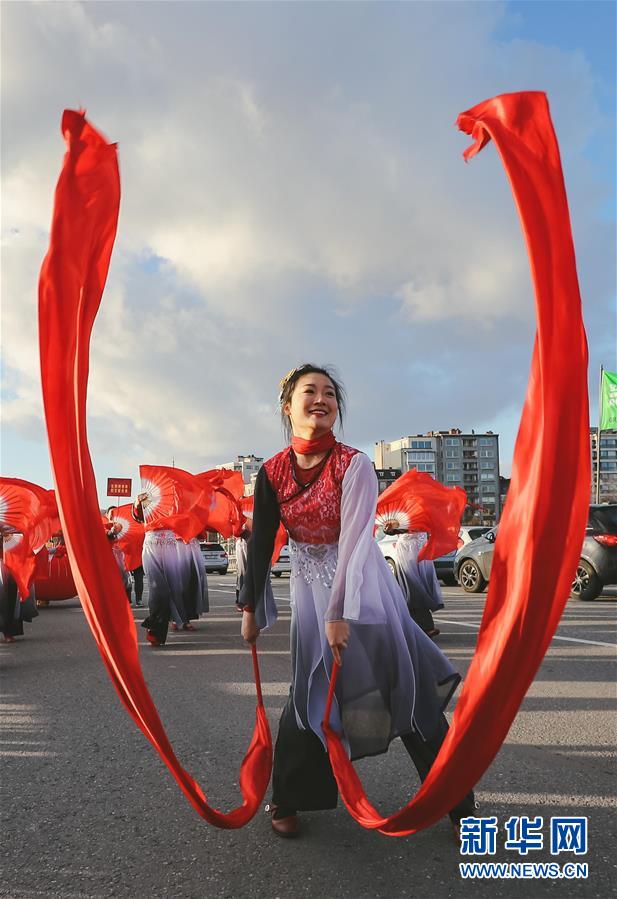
{"points": [[314, 561], [160, 538]]}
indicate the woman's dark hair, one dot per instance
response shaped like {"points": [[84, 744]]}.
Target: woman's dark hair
{"points": [[288, 385]]}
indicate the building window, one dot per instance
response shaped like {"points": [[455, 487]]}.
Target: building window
{"points": [[421, 444], [420, 457], [452, 477], [487, 465], [451, 465], [425, 466], [487, 476], [453, 441], [488, 454], [486, 441]]}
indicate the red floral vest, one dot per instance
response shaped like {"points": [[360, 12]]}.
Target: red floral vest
{"points": [[312, 514]]}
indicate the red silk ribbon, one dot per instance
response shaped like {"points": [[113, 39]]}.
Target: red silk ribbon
{"points": [[71, 284], [542, 529]]}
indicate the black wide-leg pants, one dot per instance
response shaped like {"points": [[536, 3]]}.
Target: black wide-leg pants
{"points": [[423, 617], [302, 778], [11, 619]]}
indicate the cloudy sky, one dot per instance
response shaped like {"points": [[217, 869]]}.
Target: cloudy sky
{"points": [[293, 189]]}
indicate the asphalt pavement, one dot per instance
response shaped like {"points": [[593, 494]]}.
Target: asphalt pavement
{"points": [[89, 810]]}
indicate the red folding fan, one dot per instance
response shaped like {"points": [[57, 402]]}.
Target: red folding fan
{"points": [[31, 512], [130, 536], [224, 514], [417, 502], [175, 499], [231, 481]]}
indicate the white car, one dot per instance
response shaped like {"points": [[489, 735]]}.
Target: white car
{"points": [[283, 563], [215, 557], [387, 545]]}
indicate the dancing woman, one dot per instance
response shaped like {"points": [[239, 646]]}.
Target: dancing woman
{"points": [[241, 554], [418, 580], [177, 586], [346, 606]]}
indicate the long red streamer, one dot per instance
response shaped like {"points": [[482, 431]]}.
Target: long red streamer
{"points": [[540, 534], [71, 284], [543, 525]]}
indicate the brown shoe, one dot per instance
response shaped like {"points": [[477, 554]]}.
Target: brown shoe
{"points": [[286, 827]]}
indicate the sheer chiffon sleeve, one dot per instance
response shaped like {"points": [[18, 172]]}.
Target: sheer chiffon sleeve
{"points": [[358, 504], [256, 592]]}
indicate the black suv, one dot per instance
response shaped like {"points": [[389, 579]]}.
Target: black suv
{"points": [[598, 563]]}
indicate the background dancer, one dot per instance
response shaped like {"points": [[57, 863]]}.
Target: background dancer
{"points": [[418, 580], [194, 599], [241, 554], [10, 624], [346, 606], [137, 575], [174, 508], [14, 609], [130, 539], [112, 536], [163, 568]]}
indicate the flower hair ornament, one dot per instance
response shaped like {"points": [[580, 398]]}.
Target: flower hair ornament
{"points": [[284, 382]]}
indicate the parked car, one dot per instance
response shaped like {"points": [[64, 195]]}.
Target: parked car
{"points": [[215, 557], [283, 563], [597, 566], [387, 545], [444, 565], [472, 563]]}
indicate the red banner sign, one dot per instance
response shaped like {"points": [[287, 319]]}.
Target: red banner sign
{"points": [[119, 486]]}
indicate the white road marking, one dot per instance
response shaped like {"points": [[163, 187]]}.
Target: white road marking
{"points": [[556, 799], [219, 652], [589, 642], [476, 627]]}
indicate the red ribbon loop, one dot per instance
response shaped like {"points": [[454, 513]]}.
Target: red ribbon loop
{"points": [[70, 289]]}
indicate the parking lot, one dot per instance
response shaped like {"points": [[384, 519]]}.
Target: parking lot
{"points": [[88, 810]]}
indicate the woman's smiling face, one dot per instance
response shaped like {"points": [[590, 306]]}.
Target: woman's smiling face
{"points": [[313, 407]]}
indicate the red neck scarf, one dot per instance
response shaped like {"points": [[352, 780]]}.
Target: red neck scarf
{"points": [[313, 447]]}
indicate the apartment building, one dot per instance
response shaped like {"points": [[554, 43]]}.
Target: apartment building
{"points": [[387, 476], [606, 490], [453, 458], [248, 465]]}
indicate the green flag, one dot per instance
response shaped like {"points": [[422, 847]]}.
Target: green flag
{"points": [[608, 401]]}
